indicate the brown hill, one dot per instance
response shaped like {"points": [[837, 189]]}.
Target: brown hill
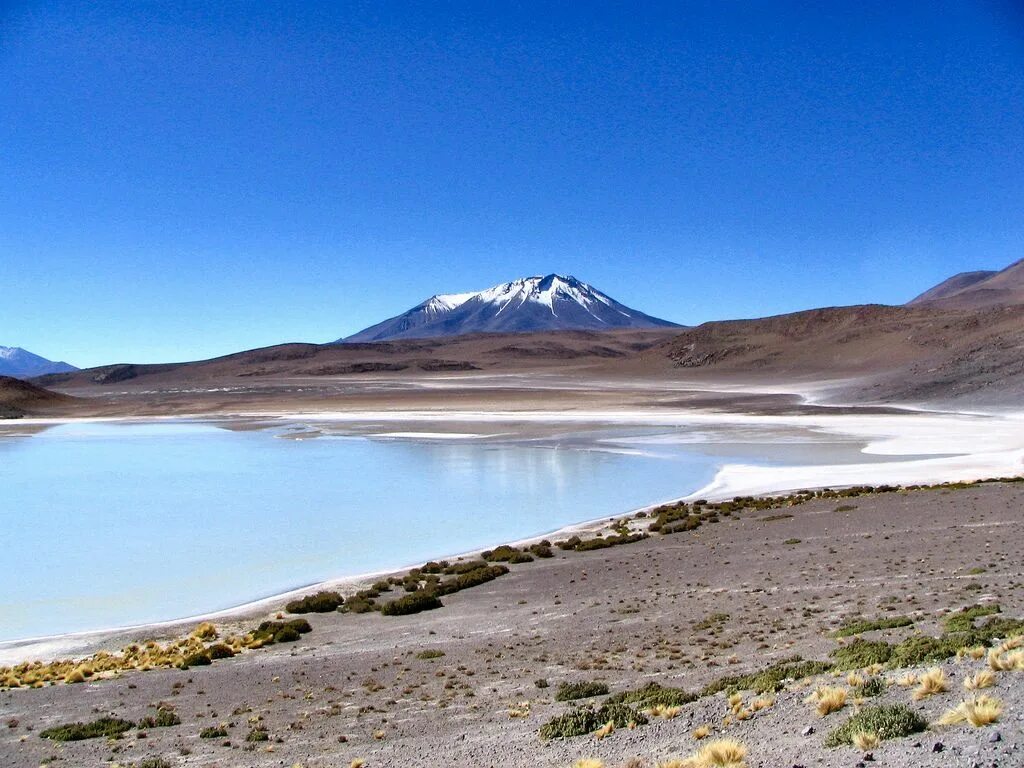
{"points": [[894, 353], [21, 398], [978, 289]]}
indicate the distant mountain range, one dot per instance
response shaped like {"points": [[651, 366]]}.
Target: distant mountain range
{"points": [[526, 305], [22, 364], [985, 288]]}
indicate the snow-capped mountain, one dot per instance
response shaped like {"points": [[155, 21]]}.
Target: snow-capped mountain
{"points": [[22, 364], [551, 303]]}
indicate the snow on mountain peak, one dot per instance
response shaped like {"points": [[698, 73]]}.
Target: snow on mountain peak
{"points": [[537, 303]]}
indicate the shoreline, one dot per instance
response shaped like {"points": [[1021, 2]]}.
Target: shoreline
{"points": [[730, 480]]}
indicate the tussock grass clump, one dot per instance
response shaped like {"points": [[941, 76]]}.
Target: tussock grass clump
{"points": [[105, 727], [865, 740], [583, 690], [979, 712], [860, 626], [588, 762], [931, 683], [583, 720], [887, 721], [324, 601], [414, 602], [722, 753], [701, 732], [430, 654], [205, 631], [983, 679], [827, 699], [213, 732], [860, 654]]}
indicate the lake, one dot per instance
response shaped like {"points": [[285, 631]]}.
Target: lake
{"points": [[115, 524]]}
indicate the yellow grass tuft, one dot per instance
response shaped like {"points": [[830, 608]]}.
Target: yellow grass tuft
{"points": [[865, 740], [976, 652], [931, 683], [908, 680], [980, 711], [664, 711], [205, 631], [984, 679], [724, 753], [763, 703], [588, 762], [854, 680], [357, 763], [75, 676], [605, 730], [827, 699], [702, 732]]}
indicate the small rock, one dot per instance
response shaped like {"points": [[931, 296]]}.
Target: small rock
{"points": [[938, 746], [868, 757], [807, 731], [995, 736]]}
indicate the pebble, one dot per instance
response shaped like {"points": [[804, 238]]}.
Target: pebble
{"points": [[995, 736], [938, 746], [807, 731]]}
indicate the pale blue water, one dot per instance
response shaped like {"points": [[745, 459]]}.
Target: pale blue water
{"points": [[107, 525]]}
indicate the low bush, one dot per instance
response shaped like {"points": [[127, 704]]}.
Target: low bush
{"points": [[429, 654], [258, 734], [860, 653], [468, 579], [105, 727], [414, 602], [860, 626], [165, 718], [963, 620], [542, 549], [358, 605], [889, 721], [769, 680], [220, 651], [321, 602], [583, 720], [213, 732], [584, 690], [653, 695], [506, 554]]}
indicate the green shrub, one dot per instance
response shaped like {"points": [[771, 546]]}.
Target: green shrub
{"points": [[220, 651], [258, 734], [861, 653], [540, 682], [466, 567], [584, 690], [963, 620], [414, 602], [286, 635], [213, 732], [922, 649], [542, 549], [889, 721], [873, 687], [468, 579], [609, 541], [860, 626], [358, 605], [196, 660], [165, 718], [505, 554], [107, 727], [769, 680], [321, 602], [652, 695], [583, 720], [429, 654]]}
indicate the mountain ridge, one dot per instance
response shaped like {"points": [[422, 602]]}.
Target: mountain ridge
{"points": [[528, 304], [19, 363]]}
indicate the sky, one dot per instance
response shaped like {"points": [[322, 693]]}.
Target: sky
{"points": [[180, 180]]}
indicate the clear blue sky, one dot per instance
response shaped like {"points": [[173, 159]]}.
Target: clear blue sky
{"points": [[180, 180]]}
